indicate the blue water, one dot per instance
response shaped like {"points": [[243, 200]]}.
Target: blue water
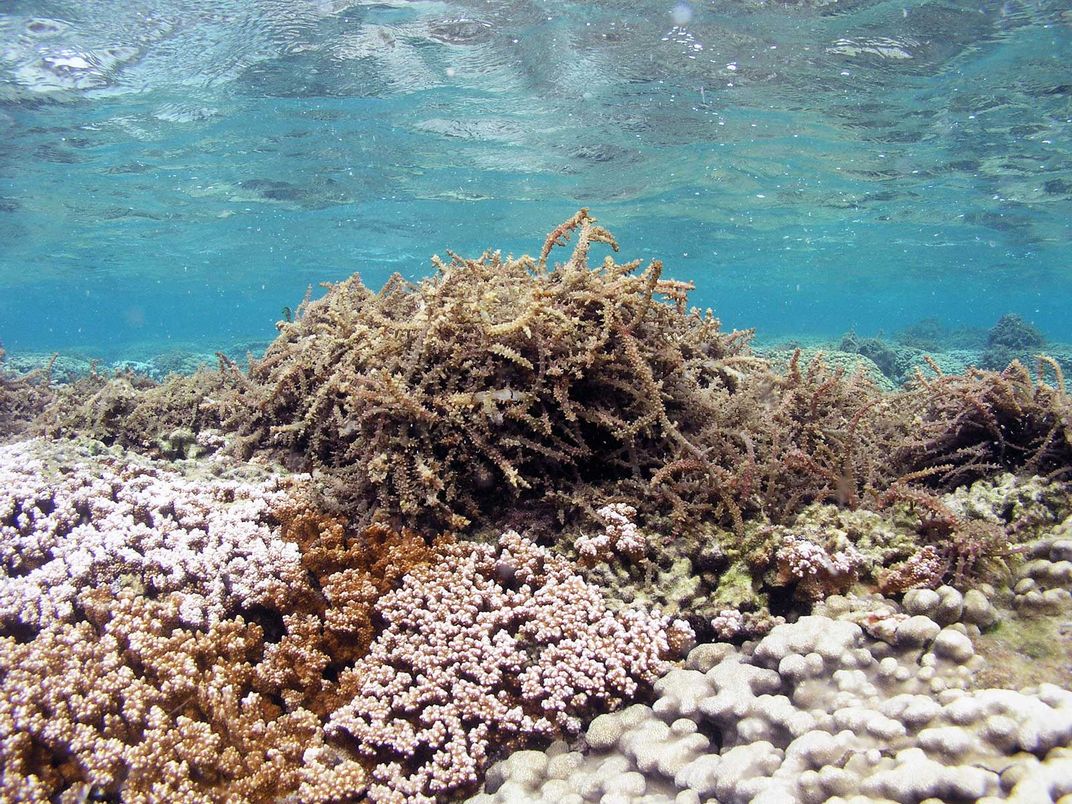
{"points": [[172, 174]]}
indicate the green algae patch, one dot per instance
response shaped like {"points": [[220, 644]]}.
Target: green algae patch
{"points": [[1025, 651]]}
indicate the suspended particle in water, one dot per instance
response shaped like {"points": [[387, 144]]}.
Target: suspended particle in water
{"points": [[681, 14]]}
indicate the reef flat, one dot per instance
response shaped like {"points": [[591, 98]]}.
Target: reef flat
{"points": [[528, 503]]}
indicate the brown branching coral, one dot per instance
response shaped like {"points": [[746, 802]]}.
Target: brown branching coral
{"points": [[495, 375], [349, 572], [126, 702], [22, 398], [118, 695], [981, 422]]}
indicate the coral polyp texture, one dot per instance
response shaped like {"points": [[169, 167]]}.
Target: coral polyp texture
{"points": [[104, 521], [815, 711], [189, 637], [489, 647]]}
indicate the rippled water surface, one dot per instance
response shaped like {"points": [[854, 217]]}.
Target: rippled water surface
{"points": [[178, 172]]}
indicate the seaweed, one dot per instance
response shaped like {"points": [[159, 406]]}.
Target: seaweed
{"points": [[175, 418], [519, 392], [982, 422]]}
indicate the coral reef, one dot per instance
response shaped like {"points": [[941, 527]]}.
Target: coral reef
{"points": [[22, 398], [177, 637], [197, 637], [488, 647], [503, 385], [1044, 581], [482, 509], [932, 336], [814, 711], [1011, 338]]}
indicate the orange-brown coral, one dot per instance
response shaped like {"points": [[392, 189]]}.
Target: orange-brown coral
{"points": [[126, 700], [348, 572]]}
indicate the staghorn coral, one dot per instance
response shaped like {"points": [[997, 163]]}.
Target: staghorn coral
{"points": [[983, 422], [511, 383], [497, 378], [489, 646], [22, 397]]}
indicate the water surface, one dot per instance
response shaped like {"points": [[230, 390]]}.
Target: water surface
{"points": [[175, 173]]}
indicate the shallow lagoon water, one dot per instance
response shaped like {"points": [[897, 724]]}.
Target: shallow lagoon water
{"points": [[176, 173]]}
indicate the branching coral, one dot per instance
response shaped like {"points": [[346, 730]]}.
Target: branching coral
{"points": [[489, 647], [495, 375], [70, 520], [815, 570], [130, 702], [620, 535], [972, 425], [163, 638]]}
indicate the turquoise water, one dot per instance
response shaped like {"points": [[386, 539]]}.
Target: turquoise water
{"points": [[175, 173]]}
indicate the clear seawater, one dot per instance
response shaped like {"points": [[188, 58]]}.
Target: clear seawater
{"points": [[174, 173]]}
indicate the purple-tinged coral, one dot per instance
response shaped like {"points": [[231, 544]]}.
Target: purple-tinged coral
{"points": [[490, 646], [816, 570], [620, 535], [121, 521], [923, 570]]}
